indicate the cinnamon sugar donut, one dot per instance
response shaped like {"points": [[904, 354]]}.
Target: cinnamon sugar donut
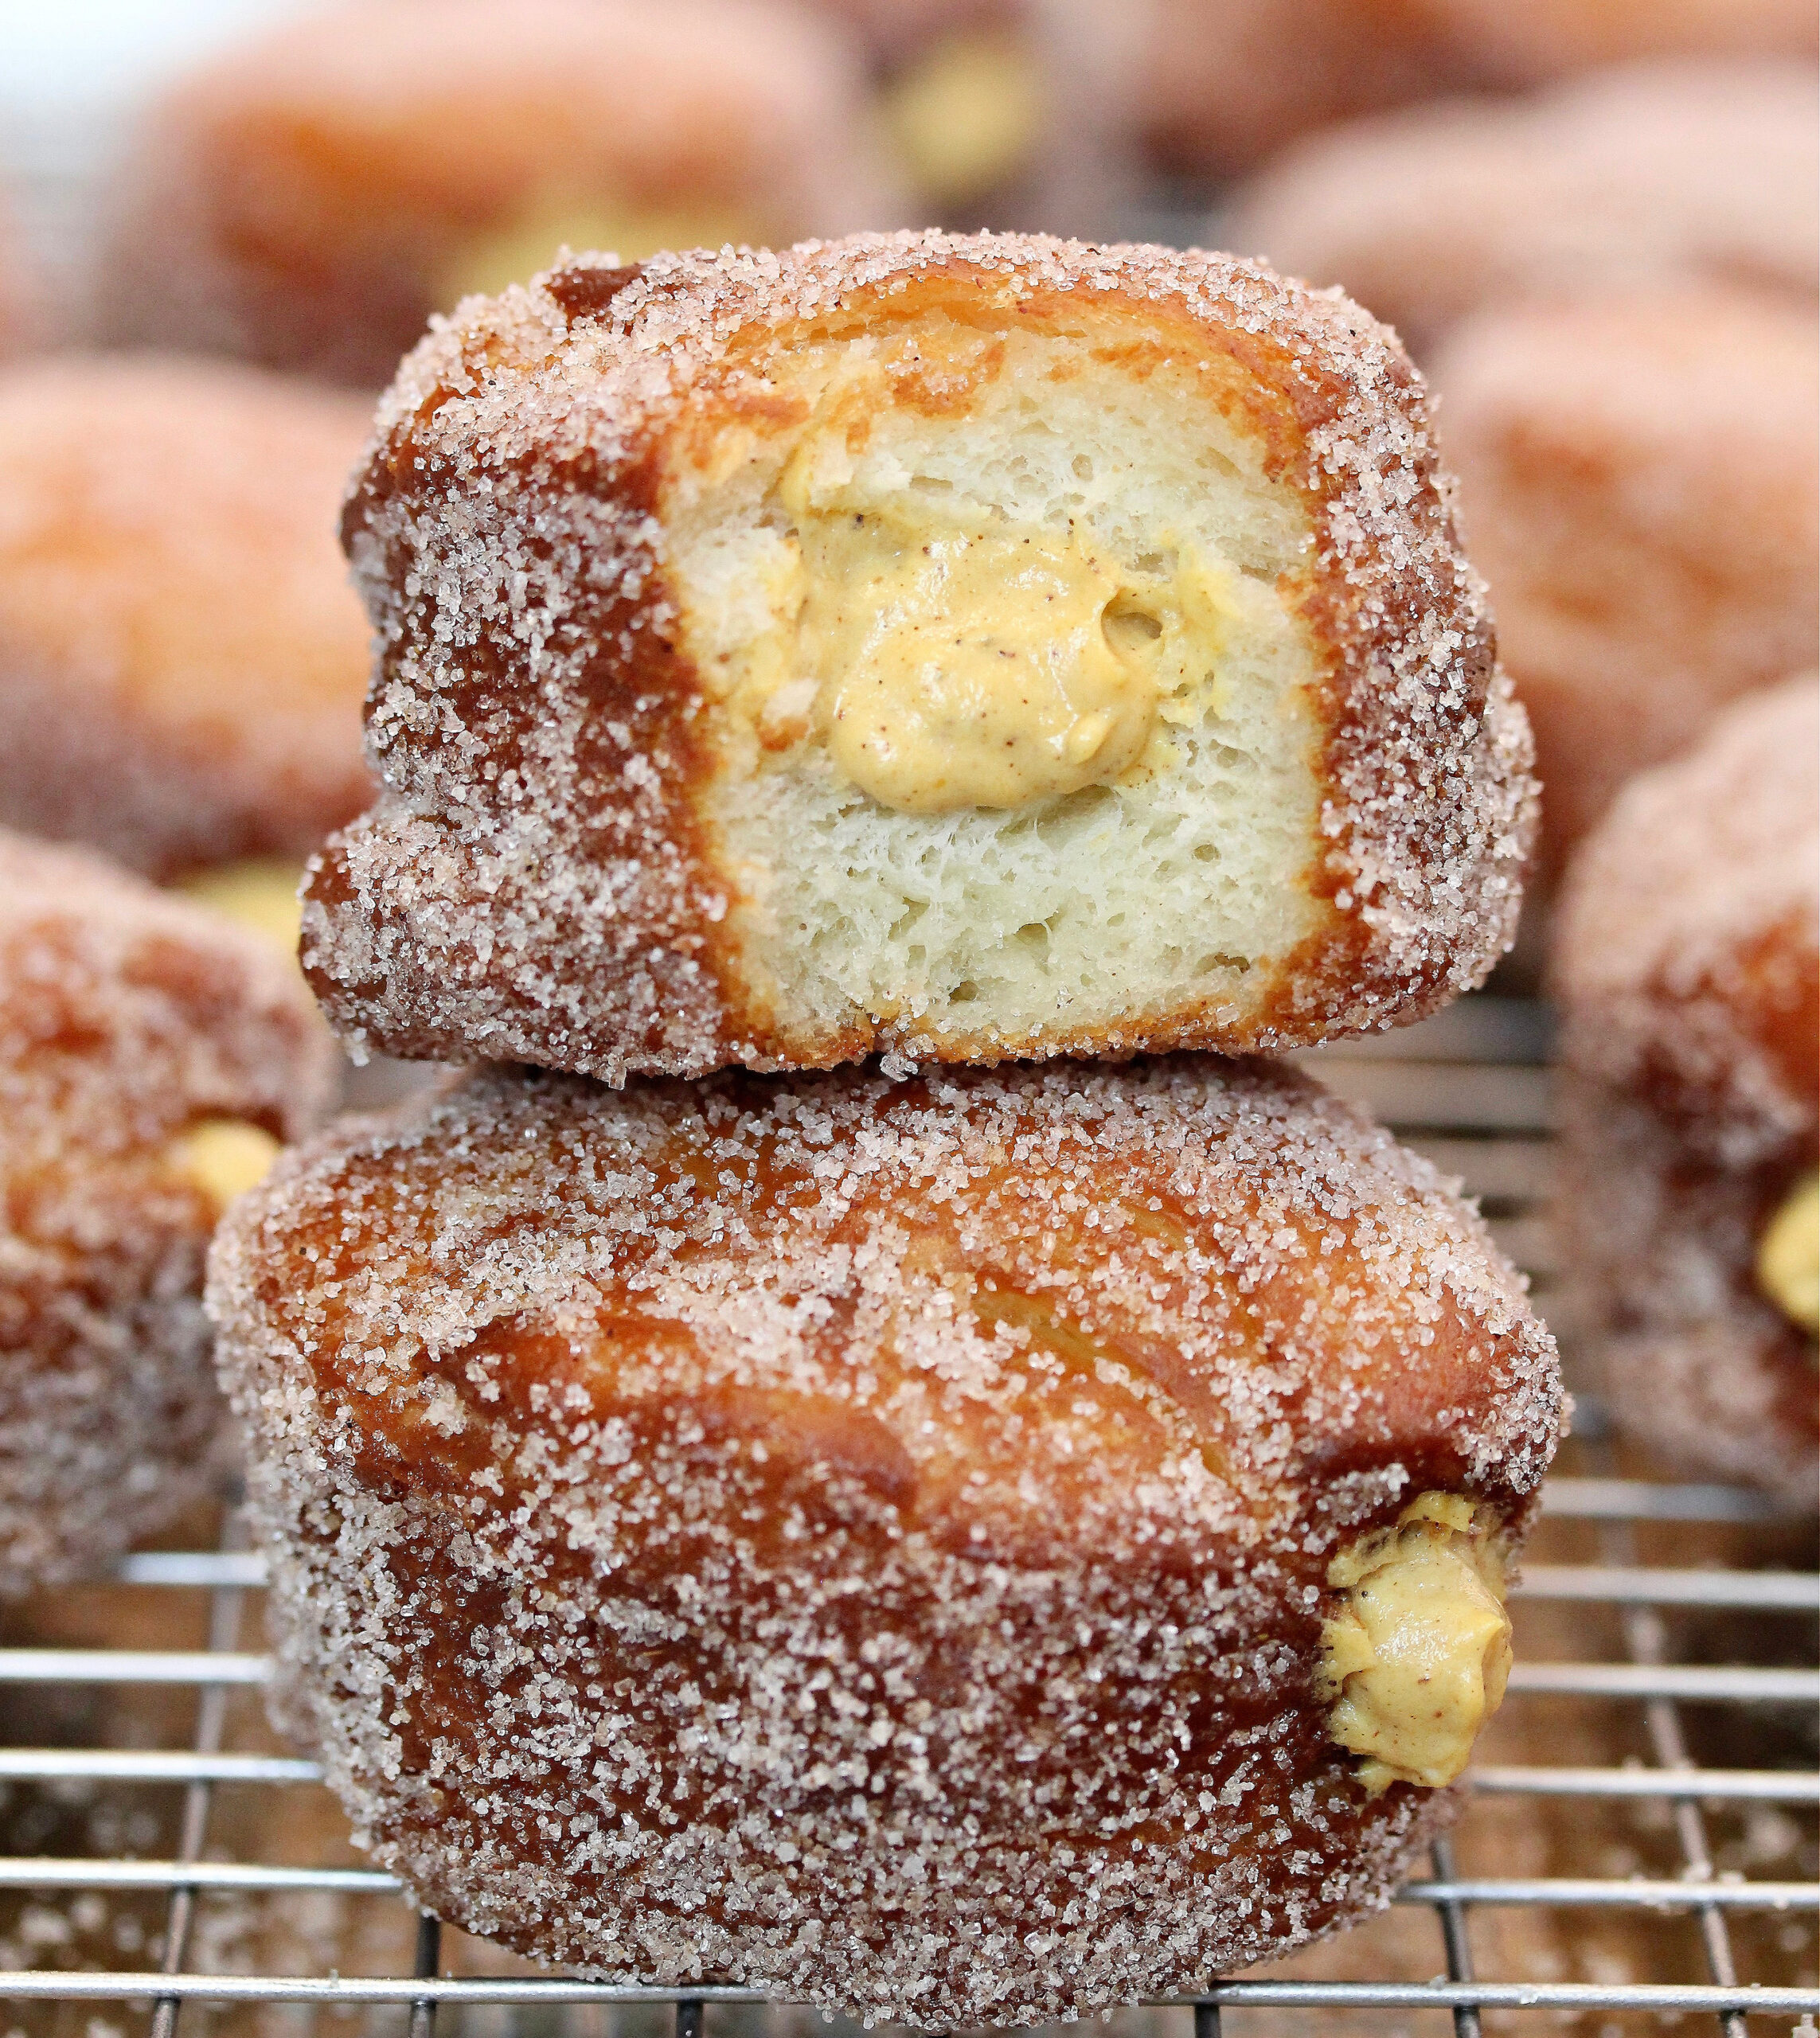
{"points": [[1228, 82], [150, 1054], [937, 1549], [309, 199], [1651, 174], [1637, 480], [1011, 113], [181, 658], [23, 318], [968, 646], [1548, 38], [1687, 965]]}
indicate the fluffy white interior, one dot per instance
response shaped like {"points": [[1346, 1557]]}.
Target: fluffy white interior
{"points": [[1168, 886]]}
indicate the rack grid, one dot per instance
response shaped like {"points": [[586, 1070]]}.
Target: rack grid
{"points": [[1472, 1089]]}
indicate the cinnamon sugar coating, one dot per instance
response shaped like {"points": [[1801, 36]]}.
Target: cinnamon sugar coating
{"points": [[866, 1539], [126, 1018], [1687, 965], [550, 875]]}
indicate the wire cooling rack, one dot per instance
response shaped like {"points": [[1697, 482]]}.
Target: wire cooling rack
{"points": [[1659, 1717]]}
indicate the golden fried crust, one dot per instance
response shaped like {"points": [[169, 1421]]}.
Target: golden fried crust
{"points": [[1688, 970], [537, 883], [879, 1521], [126, 1018]]}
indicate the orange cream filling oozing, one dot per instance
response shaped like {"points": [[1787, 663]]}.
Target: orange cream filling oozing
{"points": [[1417, 1659], [1788, 1256], [224, 1156], [260, 892], [945, 662]]}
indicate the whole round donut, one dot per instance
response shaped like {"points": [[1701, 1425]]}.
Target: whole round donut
{"points": [[917, 1546], [309, 198], [1687, 967], [150, 1054], [182, 659], [1637, 478], [1650, 174], [973, 647]]}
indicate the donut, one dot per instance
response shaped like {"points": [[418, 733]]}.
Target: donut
{"points": [[1546, 39], [23, 310], [1226, 82], [1638, 479], [1007, 113], [1687, 967], [310, 198], [960, 1549], [1653, 174], [965, 646], [181, 658], [151, 1056]]}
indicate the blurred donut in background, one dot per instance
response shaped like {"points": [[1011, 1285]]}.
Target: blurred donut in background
{"points": [[1228, 82], [1541, 39], [310, 200], [151, 1057], [1007, 113], [182, 658], [21, 305], [1686, 969], [1650, 173], [1638, 479]]}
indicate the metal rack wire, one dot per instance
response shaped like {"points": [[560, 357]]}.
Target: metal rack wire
{"points": [[1471, 1088]]}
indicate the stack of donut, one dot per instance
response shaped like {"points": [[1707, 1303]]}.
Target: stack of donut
{"points": [[980, 1533]]}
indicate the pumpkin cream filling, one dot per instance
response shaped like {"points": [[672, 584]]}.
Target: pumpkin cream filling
{"points": [[259, 891], [1417, 1659], [967, 113], [982, 662], [223, 1157], [1788, 1256]]}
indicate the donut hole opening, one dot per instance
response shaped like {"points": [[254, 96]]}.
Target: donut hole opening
{"points": [[999, 637]]}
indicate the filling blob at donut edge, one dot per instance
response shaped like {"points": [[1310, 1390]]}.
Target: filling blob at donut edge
{"points": [[1417, 1659], [260, 892], [223, 1157], [1788, 1255]]}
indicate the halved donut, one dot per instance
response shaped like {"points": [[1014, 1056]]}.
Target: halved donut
{"points": [[969, 646]]}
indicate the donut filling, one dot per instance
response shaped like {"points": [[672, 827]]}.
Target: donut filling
{"points": [[260, 892], [1014, 695], [948, 665], [1417, 1658], [1788, 1256], [224, 1156], [967, 113]]}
